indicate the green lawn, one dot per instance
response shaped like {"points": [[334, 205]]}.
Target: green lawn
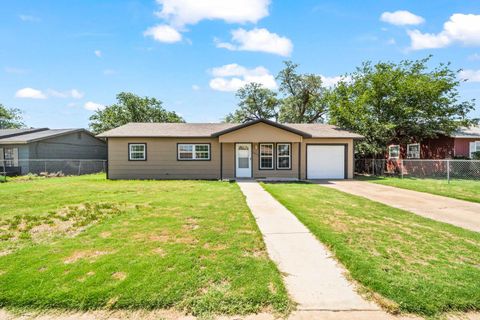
{"points": [[89, 243], [460, 189], [418, 265]]}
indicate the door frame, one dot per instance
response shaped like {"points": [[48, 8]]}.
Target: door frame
{"points": [[235, 159], [345, 145]]}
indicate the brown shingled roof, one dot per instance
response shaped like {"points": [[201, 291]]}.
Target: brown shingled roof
{"points": [[190, 130]]}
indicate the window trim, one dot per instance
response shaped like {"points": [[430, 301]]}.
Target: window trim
{"points": [[390, 147], [260, 155], [130, 150], [9, 162], [289, 155], [195, 144], [408, 150], [476, 146]]}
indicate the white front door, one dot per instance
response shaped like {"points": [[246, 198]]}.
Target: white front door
{"points": [[243, 161]]}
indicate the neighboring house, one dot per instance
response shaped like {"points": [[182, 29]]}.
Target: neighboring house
{"points": [[18, 147], [460, 144], [256, 149]]}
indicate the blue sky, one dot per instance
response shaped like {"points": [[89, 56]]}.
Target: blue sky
{"points": [[59, 60]]}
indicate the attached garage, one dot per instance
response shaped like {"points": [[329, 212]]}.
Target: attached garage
{"points": [[326, 161]]}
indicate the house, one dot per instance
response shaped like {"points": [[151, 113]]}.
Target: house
{"points": [[22, 149], [256, 149], [460, 144]]}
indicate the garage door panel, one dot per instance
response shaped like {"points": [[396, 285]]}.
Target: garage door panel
{"points": [[326, 162]]}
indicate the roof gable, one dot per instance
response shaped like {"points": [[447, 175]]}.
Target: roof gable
{"points": [[265, 121]]}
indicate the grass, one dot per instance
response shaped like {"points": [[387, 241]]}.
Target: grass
{"points": [[468, 190], [417, 265], [83, 243]]}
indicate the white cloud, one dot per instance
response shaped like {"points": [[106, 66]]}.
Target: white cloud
{"points": [[30, 93], [28, 18], [232, 77], [332, 81], [470, 75], [401, 18], [93, 106], [184, 12], [98, 53], [73, 93], [15, 70], [461, 28], [258, 40], [163, 33], [195, 87]]}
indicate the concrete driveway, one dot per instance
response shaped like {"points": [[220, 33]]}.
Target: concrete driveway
{"points": [[460, 213]]}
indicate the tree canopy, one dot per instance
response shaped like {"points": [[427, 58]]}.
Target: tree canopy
{"points": [[255, 102], [131, 108], [10, 118], [399, 103], [304, 96]]}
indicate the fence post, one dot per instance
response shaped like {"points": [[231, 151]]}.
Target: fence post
{"points": [[448, 171], [79, 167], [4, 173], [401, 168]]}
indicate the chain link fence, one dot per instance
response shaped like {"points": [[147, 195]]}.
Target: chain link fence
{"points": [[435, 169], [51, 168]]}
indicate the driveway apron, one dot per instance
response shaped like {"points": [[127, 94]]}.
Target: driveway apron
{"points": [[313, 278]]}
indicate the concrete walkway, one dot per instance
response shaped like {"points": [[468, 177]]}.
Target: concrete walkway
{"points": [[460, 213], [313, 279]]}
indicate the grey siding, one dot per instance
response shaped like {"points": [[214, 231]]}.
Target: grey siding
{"points": [[76, 145]]}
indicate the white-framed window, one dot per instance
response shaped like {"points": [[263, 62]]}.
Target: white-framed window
{"points": [[284, 156], [413, 151], [474, 147], [137, 151], [9, 157], [394, 151], [266, 156], [191, 151]]}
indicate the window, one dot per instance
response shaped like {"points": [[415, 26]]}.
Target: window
{"points": [[193, 152], [137, 151], [266, 156], [474, 147], [413, 151], [394, 152], [9, 157], [283, 156]]}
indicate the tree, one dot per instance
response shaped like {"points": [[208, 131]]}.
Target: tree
{"points": [[399, 103], [304, 96], [256, 102], [10, 118], [131, 108]]}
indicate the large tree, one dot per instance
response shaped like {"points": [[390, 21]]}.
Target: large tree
{"points": [[400, 103], [10, 118], [131, 108], [255, 102], [304, 96]]}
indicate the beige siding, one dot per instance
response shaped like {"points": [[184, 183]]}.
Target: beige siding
{"points": [[260, 132], [228, 160], [161, 160], [348, 142]]}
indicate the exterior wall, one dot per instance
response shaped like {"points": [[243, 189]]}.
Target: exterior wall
{"points": [[303, 153], [462, 146], [260, 132], [77, 145], [22, 155], [161, 160], [228, 158]]}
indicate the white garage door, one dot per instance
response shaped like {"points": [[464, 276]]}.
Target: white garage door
{"points": [[325, 162]]}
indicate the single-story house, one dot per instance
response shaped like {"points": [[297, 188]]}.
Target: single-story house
{"points": [[460, 144], [23, 149], [256, 149]]}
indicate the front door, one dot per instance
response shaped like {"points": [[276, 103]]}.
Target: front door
{"points": [[243, 161]]}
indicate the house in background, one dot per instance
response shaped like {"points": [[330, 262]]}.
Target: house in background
{"points": [[460, 144], [256, 149], [22, 149]]}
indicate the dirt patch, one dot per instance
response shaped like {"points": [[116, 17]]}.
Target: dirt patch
{"points": [[90, 255], [119, 276], [105, 234], [68, 221], [160, 252]]}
